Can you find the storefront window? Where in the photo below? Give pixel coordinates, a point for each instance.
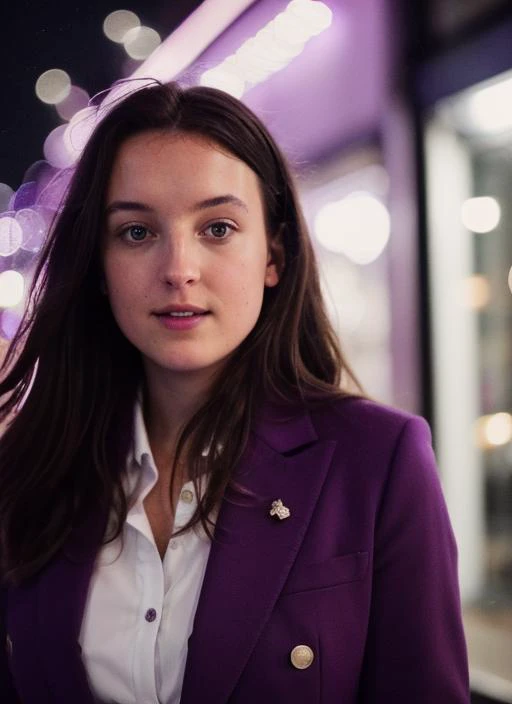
(345, 205)
(469, 182)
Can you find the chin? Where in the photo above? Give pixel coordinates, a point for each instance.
(186, 367)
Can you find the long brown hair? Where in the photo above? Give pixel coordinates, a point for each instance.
(71, 378)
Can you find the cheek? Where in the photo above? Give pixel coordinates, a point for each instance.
(247, 286)
(123, 296)
(249, 302)
(123, 282)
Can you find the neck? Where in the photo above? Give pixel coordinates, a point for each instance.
(170, 401)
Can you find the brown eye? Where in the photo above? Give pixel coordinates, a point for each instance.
(219, 230)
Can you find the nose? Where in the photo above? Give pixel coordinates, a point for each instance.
(179, 262)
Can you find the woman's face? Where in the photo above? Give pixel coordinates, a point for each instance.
(186, 255)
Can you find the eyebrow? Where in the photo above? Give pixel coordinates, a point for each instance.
(130, 205)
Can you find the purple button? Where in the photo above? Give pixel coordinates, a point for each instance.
(150, 615)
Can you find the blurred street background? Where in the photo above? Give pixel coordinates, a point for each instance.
(397, 119)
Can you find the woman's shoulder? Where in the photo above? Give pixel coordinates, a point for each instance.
(357, 425)
(380, 444)
(369, 431)
(358, 419)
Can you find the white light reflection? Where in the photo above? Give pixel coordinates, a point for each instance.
(494, 430)
(53, 86)
(118, 23)
(489, 109)
(290, 28)
(11, 235)
(272, 48)
(228, 81)
(140, 42)
(357, 226)
(12, 288)
(316, 15)
(481, 214)
(264, 44)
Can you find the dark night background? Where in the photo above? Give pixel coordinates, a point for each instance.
(37, 36)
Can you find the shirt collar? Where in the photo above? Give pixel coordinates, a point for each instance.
(141, 444)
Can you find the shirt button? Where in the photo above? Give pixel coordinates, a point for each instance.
(187, 496)
(150, 615)
(173, 544)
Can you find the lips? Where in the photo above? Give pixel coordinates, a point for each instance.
(182, 317)
(181, 311)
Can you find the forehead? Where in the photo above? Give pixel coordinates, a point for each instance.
(157, 160)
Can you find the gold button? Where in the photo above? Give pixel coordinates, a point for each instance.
(302, 656)
(187, 496)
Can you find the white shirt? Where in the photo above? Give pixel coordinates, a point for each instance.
(140, 610)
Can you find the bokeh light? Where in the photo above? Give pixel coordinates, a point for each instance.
(50, 198)
(11, 235)
(270, 49)
(481, 214)
(494, 430)
(34, 226)
(53, 86)
(6, 194)
(140, 42)
(474, 292)
(12, 288)
(77, 99)
(56, 149)
(79, 129)
(118, 23)
(357, 226)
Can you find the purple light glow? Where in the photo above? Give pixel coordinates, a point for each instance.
(52, 194)
(56, 150)
(10, 323)
(25, 195)
(11, 235)
(78, 99)
(34, 226)
(331, 94)
(80, 128)
(41, 172)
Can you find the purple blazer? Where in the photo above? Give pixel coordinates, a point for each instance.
(363, 572)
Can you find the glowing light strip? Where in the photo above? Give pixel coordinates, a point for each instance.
(270, 49)
(191, 38)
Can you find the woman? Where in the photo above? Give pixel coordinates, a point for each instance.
(192, 508)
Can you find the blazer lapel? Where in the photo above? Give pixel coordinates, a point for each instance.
(253, 552)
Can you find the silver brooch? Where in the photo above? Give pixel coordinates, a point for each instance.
(279, 510)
